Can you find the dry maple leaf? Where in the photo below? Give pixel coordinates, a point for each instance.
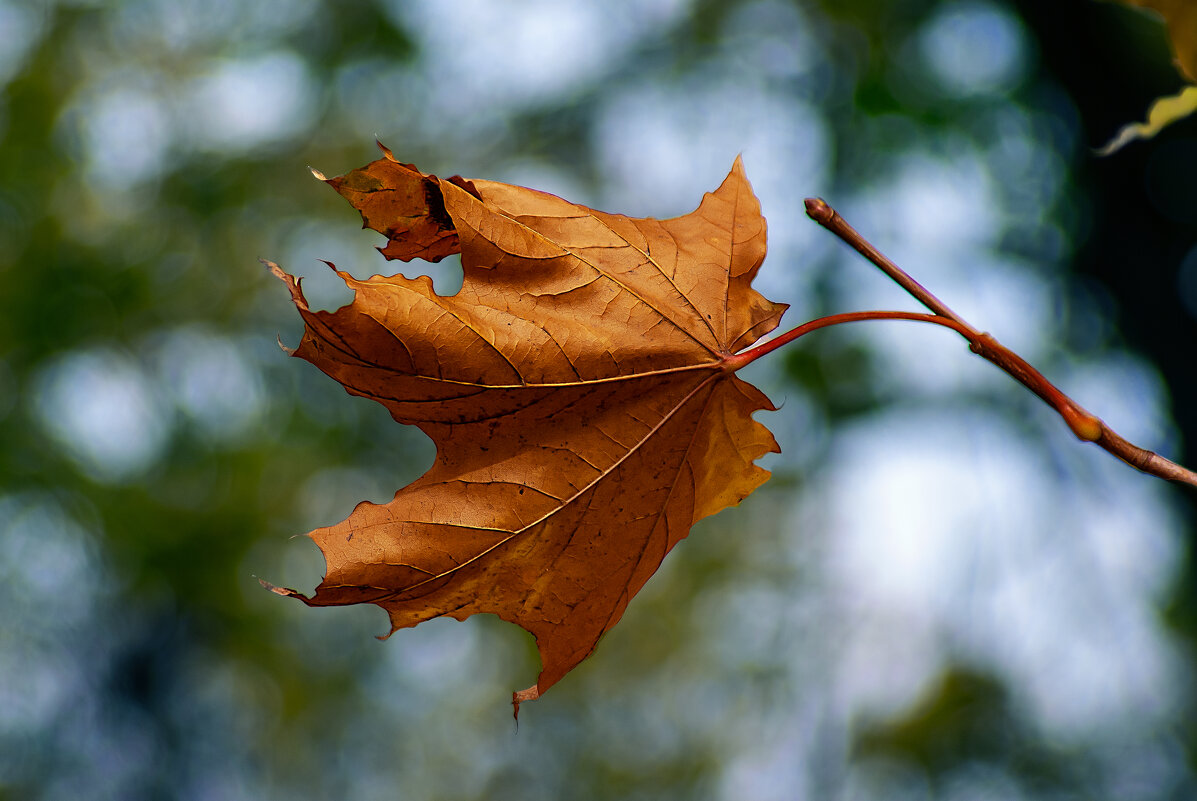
(580, 389)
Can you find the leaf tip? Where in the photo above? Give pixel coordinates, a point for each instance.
(319, 175)
(1162, 113)
(285, 592)
(386, 151)
(1125, 136)
(294, 285)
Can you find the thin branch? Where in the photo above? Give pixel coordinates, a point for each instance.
(1087, 427)
(818, 210)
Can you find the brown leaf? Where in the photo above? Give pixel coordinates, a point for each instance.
(576, 388)
(1181, 18)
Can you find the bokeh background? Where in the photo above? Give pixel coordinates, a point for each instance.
(940, 595)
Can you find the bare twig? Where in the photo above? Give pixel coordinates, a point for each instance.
(1084, 425)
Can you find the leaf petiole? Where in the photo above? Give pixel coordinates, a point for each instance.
(748, 356)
